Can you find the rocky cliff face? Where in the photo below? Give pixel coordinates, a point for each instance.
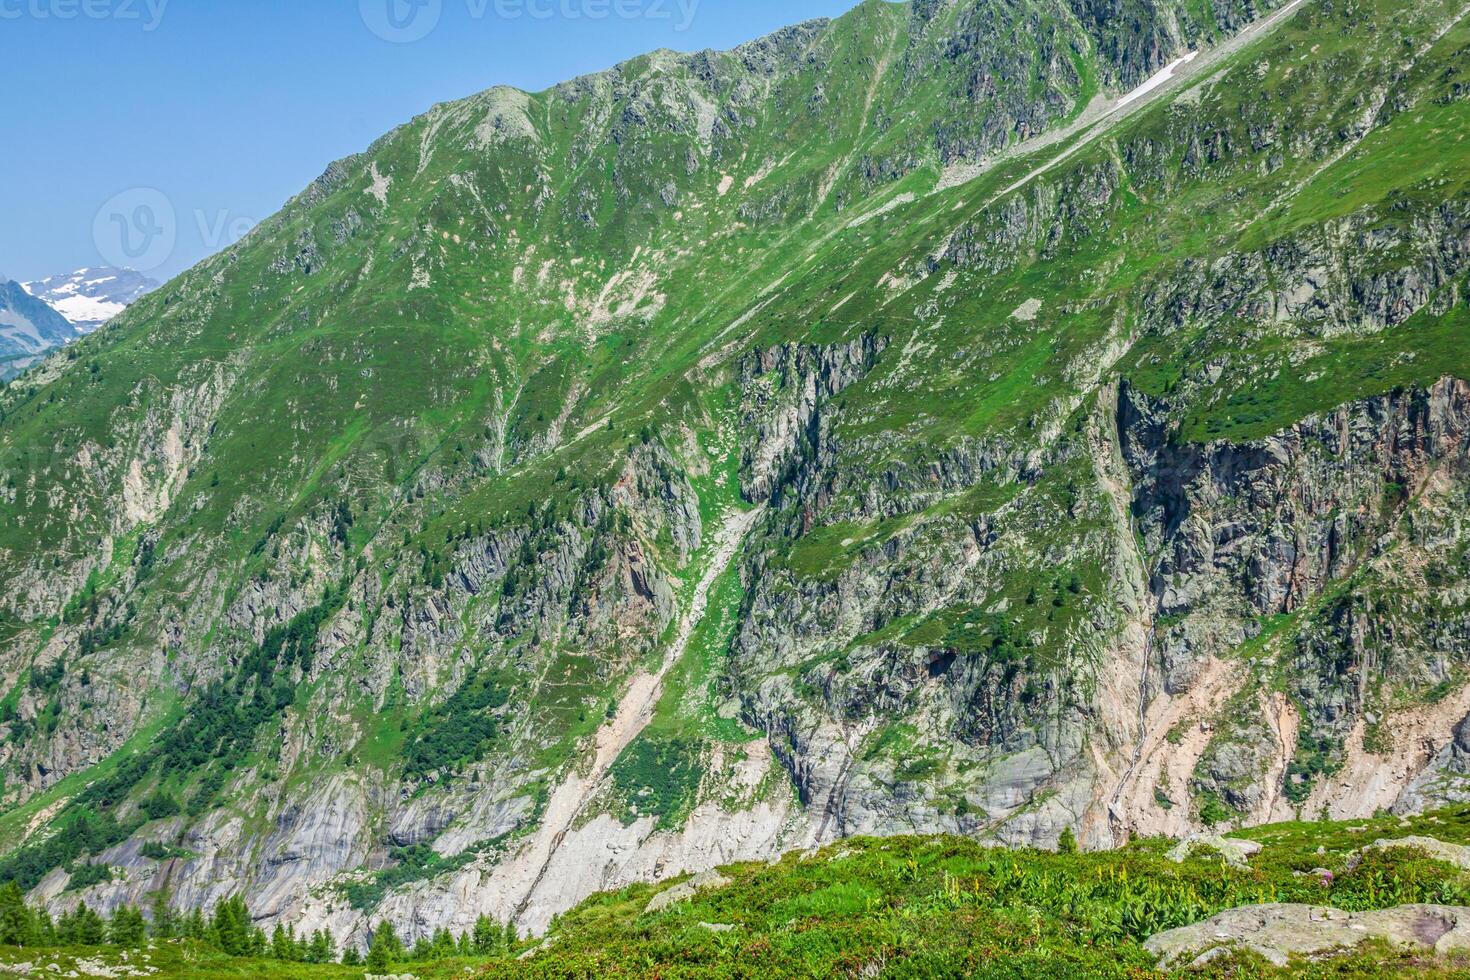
(884, 426)
(1309, 551)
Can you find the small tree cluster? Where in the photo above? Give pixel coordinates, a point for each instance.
(319, 947)
(487, 938)
(21, 925)
(231, 930)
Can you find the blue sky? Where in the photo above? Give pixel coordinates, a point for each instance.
(225, 108)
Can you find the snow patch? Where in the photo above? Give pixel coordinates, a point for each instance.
(1161, 77)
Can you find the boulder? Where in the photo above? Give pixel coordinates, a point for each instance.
(1235, 852)
(1279, 932)
(1456, 854)
(686, 890)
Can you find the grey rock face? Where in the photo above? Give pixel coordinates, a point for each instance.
(1245, 532)
(782, 391)
(1445, 780)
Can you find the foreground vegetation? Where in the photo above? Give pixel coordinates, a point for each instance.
(902, 907)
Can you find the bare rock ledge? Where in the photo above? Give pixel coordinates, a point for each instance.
(1281, 931)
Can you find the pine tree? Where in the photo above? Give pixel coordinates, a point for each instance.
(66, 929)
(230, 930)
(280, 948)
(127, 929)
(322, 949)
(351, 957)
(90, 930)
(194, 926)
(484, 935)
(17, 923)
(163, 922)
(45, 929)
(487, 936)
(385, 948)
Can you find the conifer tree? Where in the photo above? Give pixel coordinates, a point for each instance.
(231, 930)
(89, 929)
(487, 937)
(280, 945)
(322, 949)
(66, 929)
(385, 948)
(45, 928)
(163, 922)
(17, 922)
(127, 928)
(194, 926)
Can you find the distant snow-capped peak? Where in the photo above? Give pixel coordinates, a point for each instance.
(90, 297)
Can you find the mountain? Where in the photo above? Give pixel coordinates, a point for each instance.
(28, 328)
(945, 907)
(993, 417)
(91, 297)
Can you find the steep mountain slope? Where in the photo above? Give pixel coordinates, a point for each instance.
(90, 297)
(28, 327)
(886, 426)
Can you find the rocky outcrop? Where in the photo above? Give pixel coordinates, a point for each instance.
(782, 391)
(1247, 532)
(1281, 932)
(1446, 779)
(1236, 853)
(1454, 854)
